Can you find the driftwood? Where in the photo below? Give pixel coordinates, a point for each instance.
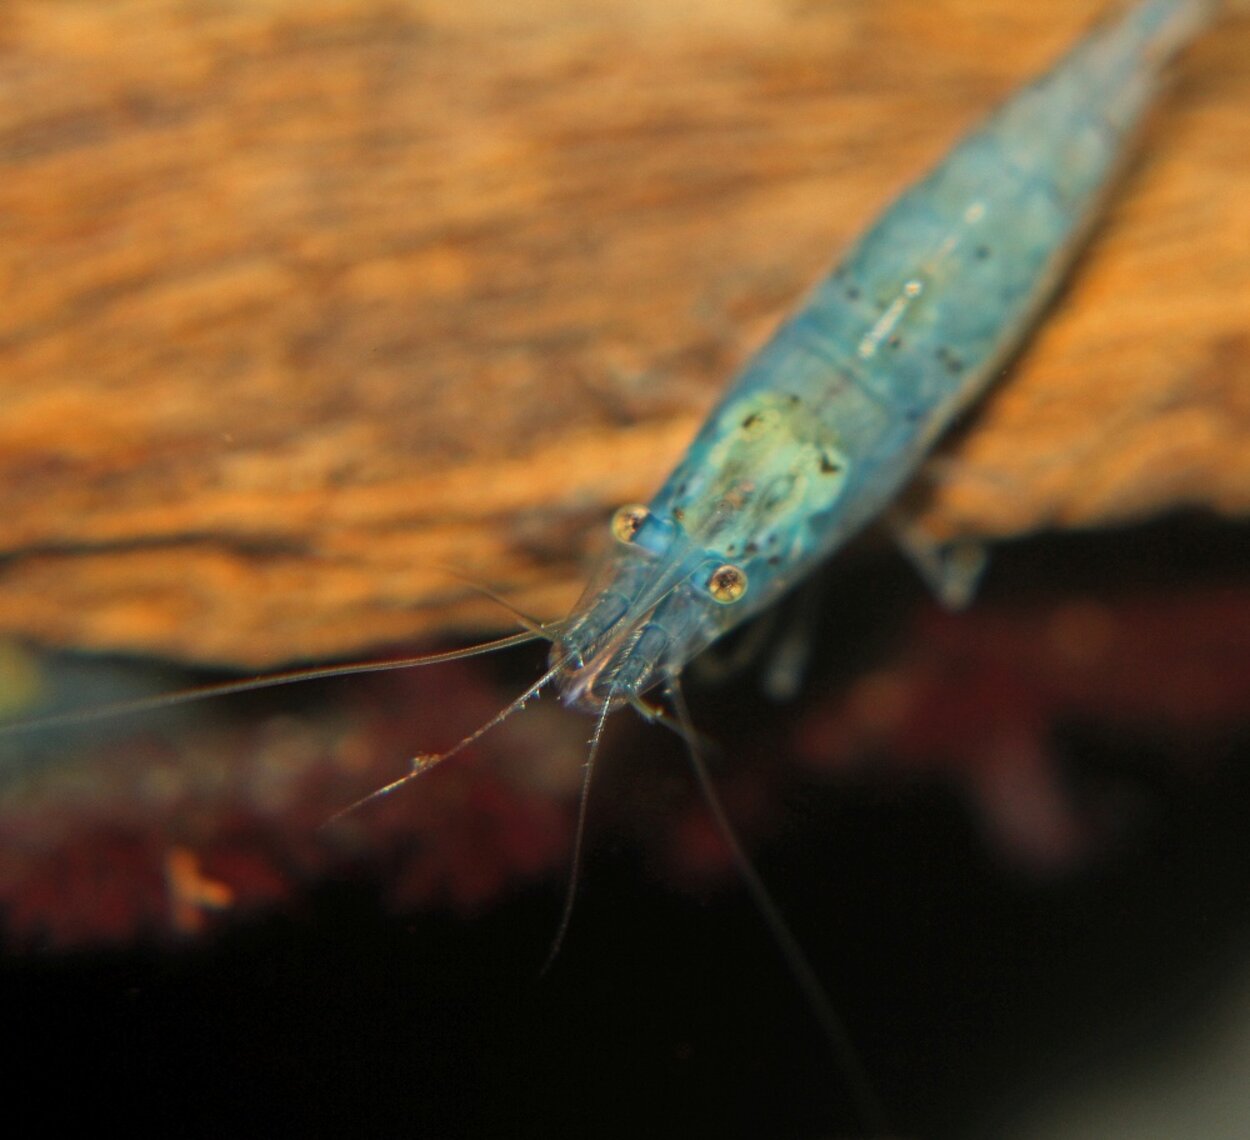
(304, 302)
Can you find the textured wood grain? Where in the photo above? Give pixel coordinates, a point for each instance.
(302, 302)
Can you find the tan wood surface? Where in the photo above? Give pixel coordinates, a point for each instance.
(302, 301)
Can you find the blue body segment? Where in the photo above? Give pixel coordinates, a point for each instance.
(822, 428)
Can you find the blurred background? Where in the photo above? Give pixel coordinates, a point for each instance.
(306, 305)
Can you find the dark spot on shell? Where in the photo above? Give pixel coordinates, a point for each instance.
(981, 252)
(751, 548)
(828, 466)
(894, 342)
(678, 514)
(852, 292)
(751, 420)
(794, 400)
(775, 560)
(954, 365)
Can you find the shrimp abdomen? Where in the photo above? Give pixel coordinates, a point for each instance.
(921, 312)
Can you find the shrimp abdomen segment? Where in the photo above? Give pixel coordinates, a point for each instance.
(920, 313)
(945, 284)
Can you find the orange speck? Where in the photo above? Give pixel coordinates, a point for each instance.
(191, 892)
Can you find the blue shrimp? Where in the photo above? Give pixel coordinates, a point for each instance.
(823, 427)
(818, 433)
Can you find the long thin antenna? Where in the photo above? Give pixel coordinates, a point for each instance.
(529, 621)
(424, 761)
(579, 842)
(252, 684)
(867, 1104)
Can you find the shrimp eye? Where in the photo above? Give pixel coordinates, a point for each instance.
(727, 584)
(627, 520)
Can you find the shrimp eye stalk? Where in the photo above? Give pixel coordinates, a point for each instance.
(727, 584)
(627, 521)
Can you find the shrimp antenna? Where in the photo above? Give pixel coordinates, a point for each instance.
(867, 1104)
(423, 762)
(536, 627)
(269, 681)
(579, 841)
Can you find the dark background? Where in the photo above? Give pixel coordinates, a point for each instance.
(972, 987)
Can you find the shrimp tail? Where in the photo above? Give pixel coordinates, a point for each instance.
(1167, 26)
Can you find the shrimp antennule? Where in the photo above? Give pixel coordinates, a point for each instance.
(424, 761)
(269, 681)
(579, 842)
(846, 1058)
